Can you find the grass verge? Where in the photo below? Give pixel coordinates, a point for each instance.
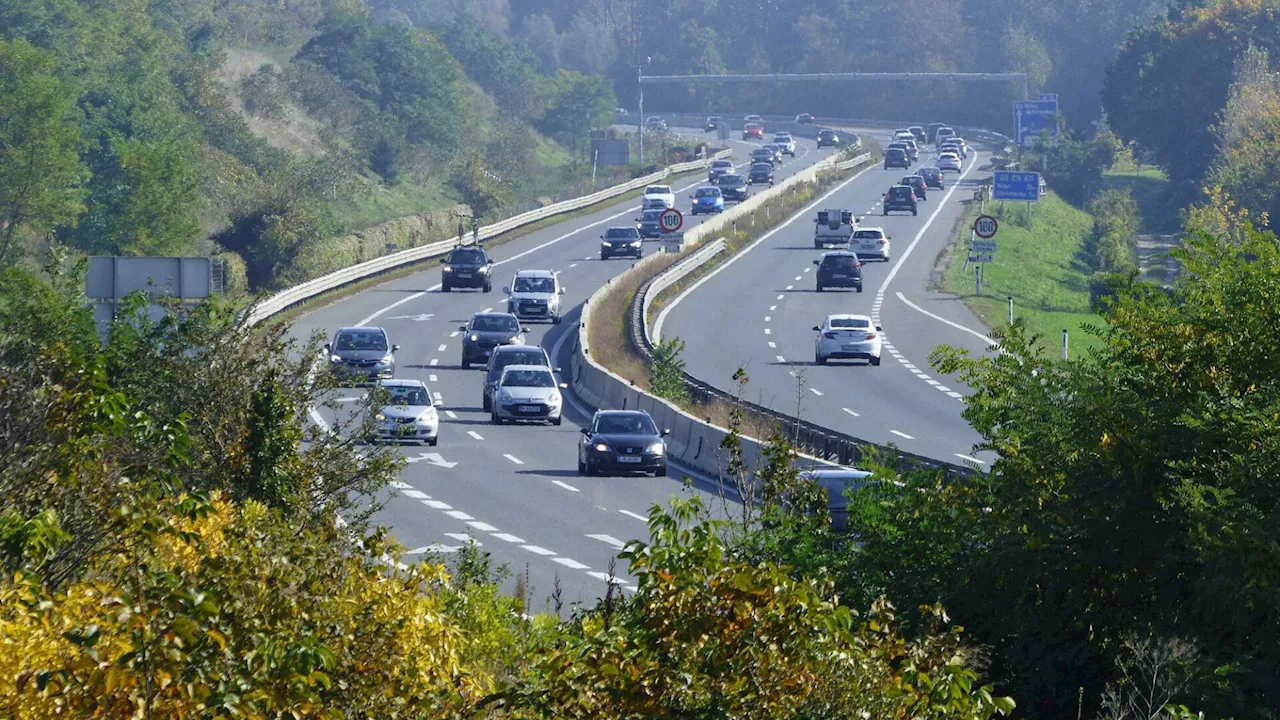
(1159, 214)
(1038, 264)
(609, 335)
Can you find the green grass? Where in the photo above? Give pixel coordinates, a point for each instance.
(1150, 189)
(1039, 266)
(381, 203)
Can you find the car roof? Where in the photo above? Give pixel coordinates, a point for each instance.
(512, 368)
(876, 228)
(945, 154)
(708, 187)
(402, 382)
(848, 316)
(658, 188)
(367, 328)
(620, 227)
(723, 161)
(494, 315)
(535, 273)
(841, 473)
(518, 348)
(622, 412)
(840, 253)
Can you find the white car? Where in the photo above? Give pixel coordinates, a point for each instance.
(405, 412)
(900, 135)
(527, 392)
(787, 141)
(659, 197)
(949, 161)
(753, 119)
(872, 242)
(535, 295)
(847, 337)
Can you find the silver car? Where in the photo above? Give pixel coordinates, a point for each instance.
(535, 295)
(403, 411)
(361, 355)
(528, 392)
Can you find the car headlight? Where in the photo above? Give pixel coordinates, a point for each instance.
(448, 269)
(657, 448)
(635, 243)
(475, 338)
(335, 358)
(484, 268)
(427, 415)
(380, 416)
(386, 359)
(554, 400)
(602, 447)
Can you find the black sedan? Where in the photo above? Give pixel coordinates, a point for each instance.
(487, 331)
(622, 441)
(467, 267)
(917, 183)
(932, 177)
(828, 138)
(761, 172)
(733, 187)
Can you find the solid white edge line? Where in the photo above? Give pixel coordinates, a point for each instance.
(945, 321)
(884, 286)
(662, 316)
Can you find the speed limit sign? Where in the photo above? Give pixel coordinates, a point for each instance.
(985, 227)
(671, 220)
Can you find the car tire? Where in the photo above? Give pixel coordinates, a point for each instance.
(433, 441)
(875, 361)
(444, 287)
(591, 469)
(660, 472)
(466, 364)
(582, 467)
(859, 287)
(493, 417)
(555, 320)
(818, 359)
(488, 288)
(914, 211)
(820, 288)
(556, 422)
(886, 212)
(486, 404)
(603, 256)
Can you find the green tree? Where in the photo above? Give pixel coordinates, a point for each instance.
(477, 187)
(579, 104)
(40, 171)
(667, 371)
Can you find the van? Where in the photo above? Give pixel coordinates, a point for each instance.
(833, 227)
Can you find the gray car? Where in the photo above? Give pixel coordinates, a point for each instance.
(527, 392)
(361, 355)
(511, 355)
(535, 295)
(487, 331)
(403, 411)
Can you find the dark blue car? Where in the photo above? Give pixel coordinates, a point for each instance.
(647, 224)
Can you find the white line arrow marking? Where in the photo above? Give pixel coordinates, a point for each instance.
(416, 318)
(431, 459)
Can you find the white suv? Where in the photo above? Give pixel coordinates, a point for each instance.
(871, 242)
(847, 337)
(786, 140)
(535, 295)
(658, 197)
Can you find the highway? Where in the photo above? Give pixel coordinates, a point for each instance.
(758, 312)
(514, 490)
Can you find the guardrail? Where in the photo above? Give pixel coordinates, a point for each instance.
(779, 123)
(293, 296)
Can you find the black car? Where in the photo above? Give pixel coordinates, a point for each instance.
(622, 441)
(713, 122)
(763, 154)
(361, 354)
(733, 187)
(932, 177)
(932, 130)
(467, 267)
(804, 119)
(505, 355)
(839, 269)
(917, 185)
(487, 331)
(917, 132)
(621, 241)
(896, 158)
(900, 198)
(761, 172)
(828, 138)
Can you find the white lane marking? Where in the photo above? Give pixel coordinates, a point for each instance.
(902, 434)
(507, 537)
(816, 391)
(884, 286)
(637, 516)
(608, 540)
(772, 308)
(513, 459)
(442, 348)
(566, 486)
(573, 265)
(433, 378)
(768, 318)
(781, 359)
(851, 412)
(454, 334)
(804, 212)
(807, 270)
(437, 505)
(571, 564)
(451, 414)
(798, 278)
(538, 550)
(909, 366)
(462, 537)
(605, 577)
(434, 362)
(971, 459)
(458, 515)
(416, 494)
(924, 377)
(779, 297)
(955, 395)
(931, 381)
(392, 306)
(957, 326)
(773, 344)
(475, 435)
(482, 526)
(789, 287)
(437, 396)
(767, 331)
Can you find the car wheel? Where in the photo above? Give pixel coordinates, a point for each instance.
(859, 287)
(820, 288)
(433, 441)
(487, 404)
(444, 287)
(875, 361)
(582, 467)
(603, 256)
(915, 211)
(488, 288)
(886, 212)
(818, 359)
(660, 472)
(556, 422)
(591, 469)
(466, 364)
(555, 320)
(639, 254)
(493, 417)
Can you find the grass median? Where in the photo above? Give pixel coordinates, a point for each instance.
(609, 335)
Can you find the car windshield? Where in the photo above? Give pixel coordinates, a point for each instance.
(867, 234)
(707, 192)
(528, 378)
(362, 340)
(651, 215)
(657, 190)
(467, 257)
(732, 181)
(722, 164)
(400, 395)
(535, 285)
(761, 167)
(839, 262)
(622, 233)
(629, 424)
(900, 193)
(849, 323)
(523, 357)
(753, 126)
(494, 323)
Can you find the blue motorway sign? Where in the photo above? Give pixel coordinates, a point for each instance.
(1011, 185)
(1032, 117)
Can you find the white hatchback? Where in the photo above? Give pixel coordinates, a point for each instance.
(847, 337)
(658, 197)
(871, 242)
(949, 161)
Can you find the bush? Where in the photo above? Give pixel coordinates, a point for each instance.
(1112, 241)
(264, 92)
(667, 379)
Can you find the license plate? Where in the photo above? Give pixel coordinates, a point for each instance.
(850, 348)
(528, 408)
(628, 459)
(464, 275)
(840, 277)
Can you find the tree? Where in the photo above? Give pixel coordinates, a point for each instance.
(1244, 169)
(477, 187)
(40, 171)
(667, 379)
(579, 103)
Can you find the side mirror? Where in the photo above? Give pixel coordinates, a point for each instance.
(816, 328)
(444, 260)
(524, 330)
(491, 262)
(462, 328)
(564, 386)
(666, 432)
(639, 220)
(506, 290)
(561, 291)
(815, 262)
(690, 197)
(395, 348)
(879, 329)
(328, 348)
(586, 431)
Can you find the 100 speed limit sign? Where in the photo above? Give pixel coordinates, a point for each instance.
(985, 227)
(670, 220)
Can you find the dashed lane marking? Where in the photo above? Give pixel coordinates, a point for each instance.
(565, 485)
(434, 362)
(768, 318)
(475, 435)
(791, 287)
(570, 563)
(851, 412)
(459, 515)
(433, 378)
(513, 459)
(772, 308)
(637, 516)
(573, 265)
(971, 459)
(508, 537)
(538, 550)
(438, 397)
(767, 331)
(608, 540)
(816, 391)
(463, 537)
(454, 334)
(415, 494)
(482, 526)
(437, 505)
(781, 359)
(605, 577)
(452, 415)
(781, 296)
(902, 434)
(773, 344)
(442, 348)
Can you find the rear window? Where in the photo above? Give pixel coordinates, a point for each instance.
(761, 167)
(657, 190)
(867, 235)
(849, 323)
(901, 193)
(839, 262)
(898, 152)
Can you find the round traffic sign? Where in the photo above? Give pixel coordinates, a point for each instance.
(671, 220)
(985, 227)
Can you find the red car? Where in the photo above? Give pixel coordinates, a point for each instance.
(752, 130)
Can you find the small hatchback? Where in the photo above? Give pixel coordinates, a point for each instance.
(361, 355)
(871, 243)
(932, 177)
(918, 185)
(896, 157)
(527, 392)
(707, 200)
(900, 198)
(622, 441)
(851, 337)
(487, 331)
(621, 241)
(403, 411)
(505, 355)
(839, 269)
